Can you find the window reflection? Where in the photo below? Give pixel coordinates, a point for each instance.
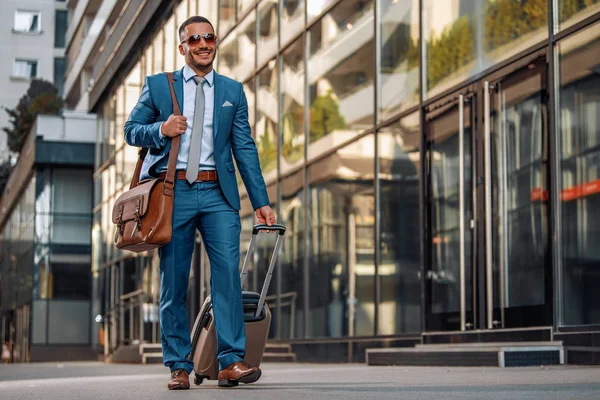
(266, 124)
(226, 16)
(580, 169)
(292, 98)
(465, 37)
(316, 7)
(399, 161)
(573, 11)
(340, 75)
(342, 222)
(292, 19)
(237, 52)
(399, 75)
(292, 211)
(268, 28)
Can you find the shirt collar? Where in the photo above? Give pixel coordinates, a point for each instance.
(188, 73)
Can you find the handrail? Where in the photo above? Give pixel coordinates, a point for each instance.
(131, 294)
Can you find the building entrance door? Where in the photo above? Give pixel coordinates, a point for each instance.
(487, 255)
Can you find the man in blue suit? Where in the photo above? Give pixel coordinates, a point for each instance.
(214, 125)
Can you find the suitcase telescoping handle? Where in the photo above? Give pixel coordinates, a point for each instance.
(257, 228)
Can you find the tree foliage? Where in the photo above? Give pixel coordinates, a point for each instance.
(325, 116)
(41, 98)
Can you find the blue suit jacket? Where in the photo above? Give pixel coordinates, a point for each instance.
(231, 132)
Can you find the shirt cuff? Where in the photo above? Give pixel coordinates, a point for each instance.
(162, 138)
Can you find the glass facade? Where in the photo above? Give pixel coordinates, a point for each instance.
(579, 98)
(398, 139)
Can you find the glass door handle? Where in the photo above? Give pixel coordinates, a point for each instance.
(487, 115)
(461, 200)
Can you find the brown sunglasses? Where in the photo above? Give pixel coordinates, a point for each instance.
(195, 39)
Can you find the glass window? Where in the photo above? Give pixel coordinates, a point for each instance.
(266, 124)
(206, 8)
(400, 248)
(27, 21)
(467, 37)
(316, 7)
(579, 97)
(341, 232)
(292, 256)
(268, 28)
(60, 67)
(60, 28)
(26, 69)
(237, 58)
(159, 58)
(573, 11)
(292, 107)
(340, 75)
(399, 74)
(71, 206)
(243, 6)
(292, 19)
(172, 56)
(70, 281)
(226, 16)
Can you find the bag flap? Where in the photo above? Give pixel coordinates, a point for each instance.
(129, 201)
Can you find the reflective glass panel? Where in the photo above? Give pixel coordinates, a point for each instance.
(268, 30)
(292, 211)
(342, 223)
(292, 19)
(266, 123)
(400, 248)
(579, 98)
(237, 56)
(340, 75)
(399, 74)
(463, 38)
(292, 97)
(573, 11)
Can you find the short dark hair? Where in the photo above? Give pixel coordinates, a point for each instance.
(197, 19)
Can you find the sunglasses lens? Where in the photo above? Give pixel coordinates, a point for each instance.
(195, 39)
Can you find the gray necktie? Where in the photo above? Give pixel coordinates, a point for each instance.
(191, 173)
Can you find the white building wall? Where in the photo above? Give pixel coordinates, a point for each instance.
(29, 46)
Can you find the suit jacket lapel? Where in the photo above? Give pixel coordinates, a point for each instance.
(178, 77)
(219, 94)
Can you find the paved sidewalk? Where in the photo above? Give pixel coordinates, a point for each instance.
(91, 381)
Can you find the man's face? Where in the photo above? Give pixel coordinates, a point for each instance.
(201, 54)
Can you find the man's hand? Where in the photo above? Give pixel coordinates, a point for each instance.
(265, 215)
(174, 126)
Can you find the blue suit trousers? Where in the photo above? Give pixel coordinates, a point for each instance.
(202, 206)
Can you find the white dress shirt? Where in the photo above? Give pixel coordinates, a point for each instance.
(207, 160)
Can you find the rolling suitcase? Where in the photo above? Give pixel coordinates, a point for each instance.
(257, 319)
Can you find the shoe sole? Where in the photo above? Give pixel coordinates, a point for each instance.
(179, 388)
(250, 378)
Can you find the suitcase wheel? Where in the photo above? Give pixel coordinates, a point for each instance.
(199, 378)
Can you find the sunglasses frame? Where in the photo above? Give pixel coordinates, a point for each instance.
(201, 36)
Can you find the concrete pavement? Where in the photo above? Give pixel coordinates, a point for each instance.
(91, 381)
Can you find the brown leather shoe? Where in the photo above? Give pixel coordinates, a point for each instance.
(238, 372)
(180, 379)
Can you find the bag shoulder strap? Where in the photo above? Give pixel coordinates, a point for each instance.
(173, 153)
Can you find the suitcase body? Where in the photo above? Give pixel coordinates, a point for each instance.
(257, 320)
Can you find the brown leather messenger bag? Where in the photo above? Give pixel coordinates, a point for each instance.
(143, 214)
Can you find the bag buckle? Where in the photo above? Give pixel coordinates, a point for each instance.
(119, 223)
(138, 220)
